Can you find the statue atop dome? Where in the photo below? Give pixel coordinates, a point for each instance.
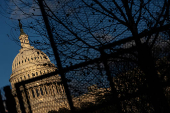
(20, 25)
(23, 37)
(21, 30)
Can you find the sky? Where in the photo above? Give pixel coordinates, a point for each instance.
(8, 50)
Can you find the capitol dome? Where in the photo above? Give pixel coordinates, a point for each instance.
(43, 94)
(27, 58)
(29, 62)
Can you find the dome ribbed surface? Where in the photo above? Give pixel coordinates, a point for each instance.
(29, 62)
(29, 57)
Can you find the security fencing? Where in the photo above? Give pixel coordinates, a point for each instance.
(104, 84)
(118, 76)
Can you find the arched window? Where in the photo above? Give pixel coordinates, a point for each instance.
(45, 90)
(45, 57)
(33, 93)
(36, 73)
(41, 91)
(25, 60)
(28, 76)
(33, 74)
(37, 93)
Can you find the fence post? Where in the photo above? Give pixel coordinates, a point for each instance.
(110, 79)
(56, 54)
(2, 108)
(19, 96)
(10, 102)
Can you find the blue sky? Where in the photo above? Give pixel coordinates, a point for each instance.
(8, 50)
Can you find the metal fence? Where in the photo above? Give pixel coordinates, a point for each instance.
(106, 83)
(7, 102)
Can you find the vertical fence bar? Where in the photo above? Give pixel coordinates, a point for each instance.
(2, 109)
(56, 54)
(110, 79)
(19, 95)
(10, 102)
(27, 99)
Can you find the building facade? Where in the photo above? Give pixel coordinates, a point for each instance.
(43, 95)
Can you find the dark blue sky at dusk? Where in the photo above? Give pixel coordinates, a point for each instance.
(8, 50)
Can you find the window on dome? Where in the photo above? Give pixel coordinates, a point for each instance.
(28, 59)
(36, 73)
(38, 53)
(25, 60)
(33, 74)
(22, 61)
(31, 58)
(28, 76)
(44, 64)
(40, 57)
(45, 57)
(40, 72)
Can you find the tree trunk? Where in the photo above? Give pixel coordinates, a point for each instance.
(155, 89)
